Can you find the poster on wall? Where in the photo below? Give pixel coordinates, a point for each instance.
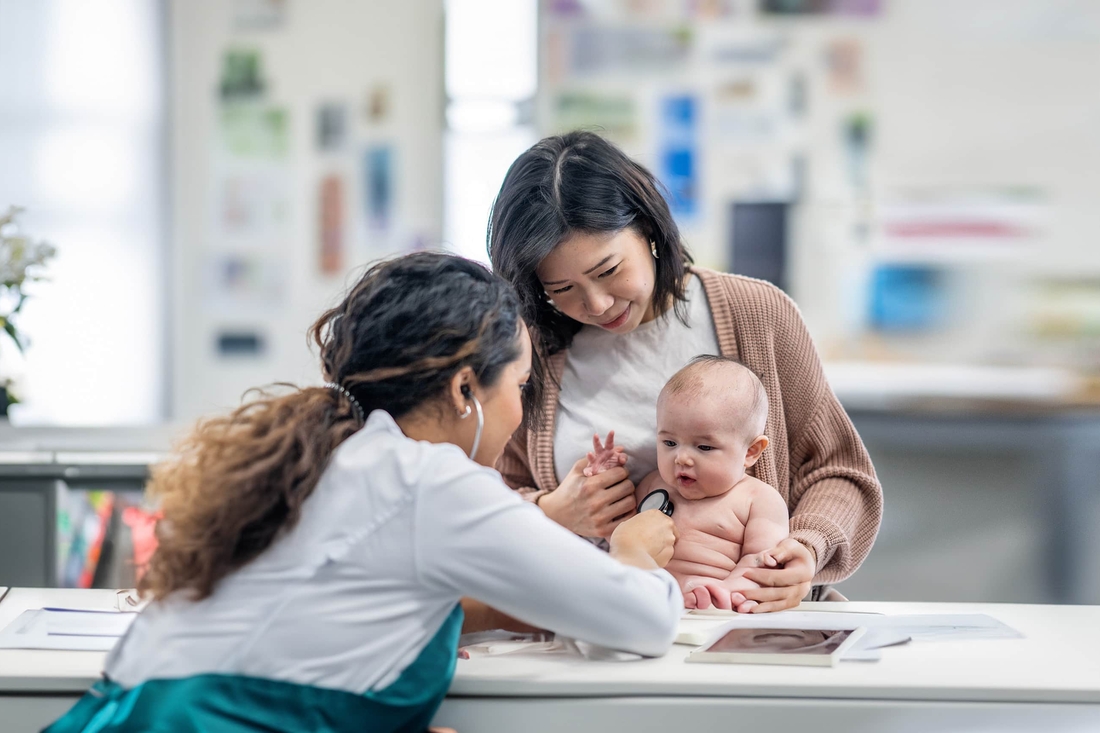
(252, 205)
(677, 154)
(377, 104)
(259, 15)
(614, 114)
(251, 192)
(331, 214)
(254, 132)
(242, 75)
(378, 186)
(244, 282)
(867, 8)
(332, 125)
(844, 64)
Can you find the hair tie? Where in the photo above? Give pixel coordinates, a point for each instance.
(351, 398)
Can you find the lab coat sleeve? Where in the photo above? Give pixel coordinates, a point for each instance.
(476, 538)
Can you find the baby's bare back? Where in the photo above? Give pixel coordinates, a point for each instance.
(711, 530)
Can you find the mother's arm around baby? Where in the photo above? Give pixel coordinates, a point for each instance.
(834, 495)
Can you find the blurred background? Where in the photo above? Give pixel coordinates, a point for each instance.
(921, 176)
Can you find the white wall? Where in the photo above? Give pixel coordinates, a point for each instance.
(997, 92)
(327, 50)
(979, 93)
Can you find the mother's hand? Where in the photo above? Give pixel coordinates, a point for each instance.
(784, 587)
(591, 506)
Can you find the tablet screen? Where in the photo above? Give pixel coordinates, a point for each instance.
(780, 641)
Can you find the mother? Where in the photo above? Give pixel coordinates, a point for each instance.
(615, 308)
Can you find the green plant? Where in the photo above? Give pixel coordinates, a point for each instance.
(21, 262)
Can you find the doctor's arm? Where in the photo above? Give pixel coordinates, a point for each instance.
(477, 539)
(635, 543)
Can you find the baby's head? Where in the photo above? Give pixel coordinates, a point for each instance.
(711, 418)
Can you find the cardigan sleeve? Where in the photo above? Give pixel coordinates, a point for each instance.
(835, 494)
(515, 467)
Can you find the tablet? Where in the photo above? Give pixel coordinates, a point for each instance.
(812, 647)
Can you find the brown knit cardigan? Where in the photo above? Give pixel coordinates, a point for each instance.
(816, 459)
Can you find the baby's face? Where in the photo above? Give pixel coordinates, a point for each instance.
(698, 451)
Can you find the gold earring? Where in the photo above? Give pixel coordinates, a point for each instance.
(653, 250)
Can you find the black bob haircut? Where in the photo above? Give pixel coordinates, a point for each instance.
(577, 182)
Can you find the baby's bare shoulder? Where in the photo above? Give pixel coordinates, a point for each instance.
(750, 485)
(754, 491)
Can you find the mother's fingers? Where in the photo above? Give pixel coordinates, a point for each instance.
(779, 578)
(756, 560)
(773, 606)
(768, 594)
(608, 479)
(785, 597)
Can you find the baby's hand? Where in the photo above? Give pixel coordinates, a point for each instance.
(604, 456)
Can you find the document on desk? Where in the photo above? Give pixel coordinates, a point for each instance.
(66, 630)
(918, 627)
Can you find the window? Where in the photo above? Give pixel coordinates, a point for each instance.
(82, 137)
(491, 75)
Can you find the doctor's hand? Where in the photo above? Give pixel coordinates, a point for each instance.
(645, 540)
(591, 506)
(783, 587)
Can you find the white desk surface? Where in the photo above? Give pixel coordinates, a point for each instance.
(40, 671)
(1057, 662)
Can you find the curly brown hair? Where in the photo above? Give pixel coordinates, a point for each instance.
(239, 480)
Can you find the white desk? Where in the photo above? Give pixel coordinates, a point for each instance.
(1049, 681)
(36, 687)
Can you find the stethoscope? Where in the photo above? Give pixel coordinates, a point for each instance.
(657, 500)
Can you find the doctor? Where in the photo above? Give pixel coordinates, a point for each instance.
(315, 546)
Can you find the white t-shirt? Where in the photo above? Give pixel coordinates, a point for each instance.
(612, 381)
(394, 534)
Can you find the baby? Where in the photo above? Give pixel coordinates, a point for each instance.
(711, 418)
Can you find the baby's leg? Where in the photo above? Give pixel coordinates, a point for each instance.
(703, 592)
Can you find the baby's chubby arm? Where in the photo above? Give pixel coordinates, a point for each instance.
(604, 456)
(768, 524)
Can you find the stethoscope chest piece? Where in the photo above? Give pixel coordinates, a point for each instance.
(657, 500)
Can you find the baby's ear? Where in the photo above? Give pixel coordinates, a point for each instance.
(756, 448)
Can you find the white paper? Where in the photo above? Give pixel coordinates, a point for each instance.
(31, 630)
(88, 623)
